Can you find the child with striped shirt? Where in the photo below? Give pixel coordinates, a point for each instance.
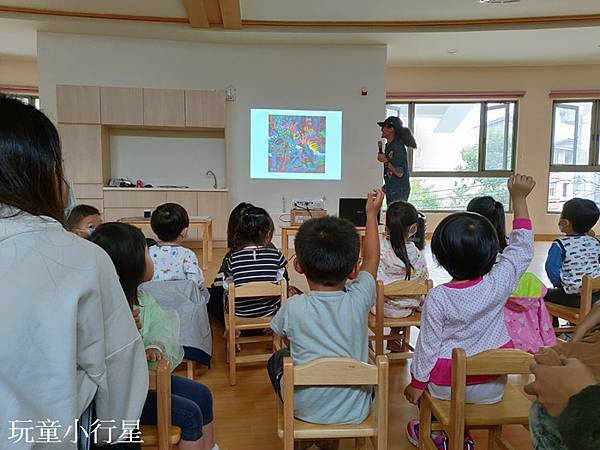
(255, 259)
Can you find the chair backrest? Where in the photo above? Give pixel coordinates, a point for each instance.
(491, 362)
(159, 380)
(336, 372)
(255, 289)
(588, 286)
(406, 288)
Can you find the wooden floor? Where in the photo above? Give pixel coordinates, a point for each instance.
(246, 414)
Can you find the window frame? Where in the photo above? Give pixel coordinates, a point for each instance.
(593, 165)
(482, 172)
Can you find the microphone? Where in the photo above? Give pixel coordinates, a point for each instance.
(381, 143)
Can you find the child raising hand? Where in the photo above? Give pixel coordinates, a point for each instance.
(468, 312)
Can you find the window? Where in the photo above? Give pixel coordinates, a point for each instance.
(574, 161)
(26, 98)
(465, 149)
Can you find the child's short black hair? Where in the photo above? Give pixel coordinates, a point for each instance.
(168, 221)
(327, 249)
(255, 226)
(582, 213)
(79, 213)
(466, 245)
(126, 246)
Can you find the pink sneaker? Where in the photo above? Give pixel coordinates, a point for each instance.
(412, 434)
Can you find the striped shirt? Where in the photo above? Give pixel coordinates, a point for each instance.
(255, 264)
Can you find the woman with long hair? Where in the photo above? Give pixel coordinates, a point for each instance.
(394, 157)
(68, 335)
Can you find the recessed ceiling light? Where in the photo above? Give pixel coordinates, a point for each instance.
(452, 51)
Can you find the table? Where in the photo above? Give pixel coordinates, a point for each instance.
(199, 222)
(292, 230)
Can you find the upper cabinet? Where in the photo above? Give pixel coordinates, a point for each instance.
(139, 107)
(205, 109)
(122, 106)
(85, 153)
(164, 108)
(78, 104)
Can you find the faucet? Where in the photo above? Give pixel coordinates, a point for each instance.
(211, 173)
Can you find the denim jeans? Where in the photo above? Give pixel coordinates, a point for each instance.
(191, 407)
(396, 193)
(544, 429)
(275, 369)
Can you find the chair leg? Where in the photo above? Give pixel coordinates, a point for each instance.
(494, 436)
(406, 339)
(424, 423)
(379, 342)
(232, 356)
(361, 444)
(190, 369)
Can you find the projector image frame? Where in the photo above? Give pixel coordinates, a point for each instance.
(295, 144)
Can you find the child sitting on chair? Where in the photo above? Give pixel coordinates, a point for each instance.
(191, 402)
(170, 223)
(468, 312)
(400, 259)
(83, 220)
(331, 318)
(254, 258)
(574, 255)
(525, 314)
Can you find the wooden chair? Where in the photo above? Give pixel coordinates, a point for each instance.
(163, 436)
(234, 324)
(190, 368)
(576, 315)
(335, 372)
(454, 415)
(377, 321)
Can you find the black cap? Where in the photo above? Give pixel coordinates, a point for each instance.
(391, 121)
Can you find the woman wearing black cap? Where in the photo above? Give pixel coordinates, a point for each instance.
(396, 175)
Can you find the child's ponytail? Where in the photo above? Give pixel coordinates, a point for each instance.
(255, 227)
(399, 218)
(494, 212)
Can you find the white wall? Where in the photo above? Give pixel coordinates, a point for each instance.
(152, 156)
(290, 76)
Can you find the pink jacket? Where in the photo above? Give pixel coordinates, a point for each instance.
(526, 317)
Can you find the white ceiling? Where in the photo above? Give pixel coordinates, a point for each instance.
(332, 10)
(560, 44)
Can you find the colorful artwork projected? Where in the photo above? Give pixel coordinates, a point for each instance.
(297, 144)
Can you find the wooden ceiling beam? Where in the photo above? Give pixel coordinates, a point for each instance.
(231, 14)
(196, 11)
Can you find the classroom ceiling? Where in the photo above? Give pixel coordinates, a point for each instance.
(417, 32)
(332, 10)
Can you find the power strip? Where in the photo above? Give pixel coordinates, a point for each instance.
(308, 204)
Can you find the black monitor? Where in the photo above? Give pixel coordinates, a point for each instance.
(353, 209)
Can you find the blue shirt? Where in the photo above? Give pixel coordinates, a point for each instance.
(329, 323)
(395, 152)
(554, 263)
